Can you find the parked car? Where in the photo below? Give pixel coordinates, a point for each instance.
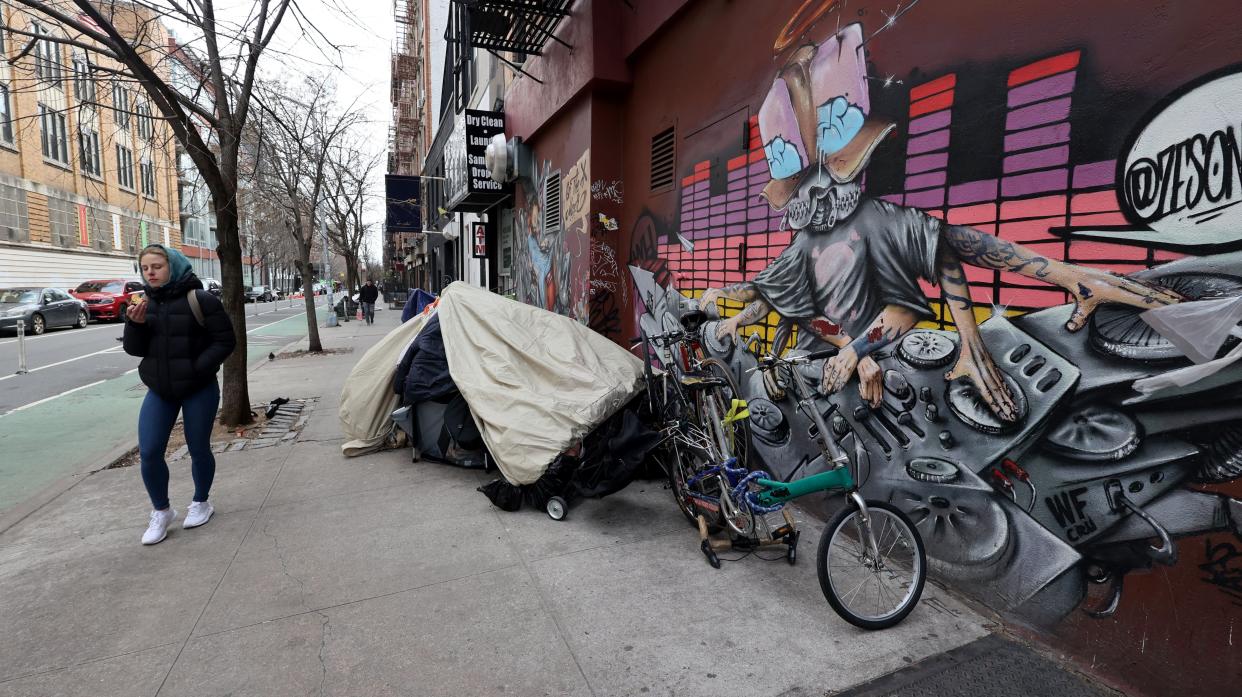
(106, 298)
(262, 294)
(41, 309)
(212, 286)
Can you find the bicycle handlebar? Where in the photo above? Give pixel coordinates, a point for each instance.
(769, 362)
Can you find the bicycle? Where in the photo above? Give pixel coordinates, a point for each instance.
(696, 405)
(870, 561)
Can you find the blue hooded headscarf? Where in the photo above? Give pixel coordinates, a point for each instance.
(179, 270)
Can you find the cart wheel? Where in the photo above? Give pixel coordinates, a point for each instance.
(711, 554)
(557, 508)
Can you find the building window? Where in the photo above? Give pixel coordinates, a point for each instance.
(145, 126)
(6, 114)
(124, 167)
(120, 105)
(47, 58)
(14, 220)
(88, 146)
(62, 217)
(148, 178)
(55, 136)
(83, 83)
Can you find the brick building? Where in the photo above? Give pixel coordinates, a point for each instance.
(87, 172)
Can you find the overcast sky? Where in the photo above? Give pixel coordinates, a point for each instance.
(363, 31)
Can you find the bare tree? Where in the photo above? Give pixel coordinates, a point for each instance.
(297, 129)
(349, 172)
(127, 33)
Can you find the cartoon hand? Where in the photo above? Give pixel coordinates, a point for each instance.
(709, 298)
(974, 362)
(838, 370)
(869, 385)
(1098, 287)
(728, 327)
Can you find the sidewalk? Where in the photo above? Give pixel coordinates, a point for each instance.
(378, 576)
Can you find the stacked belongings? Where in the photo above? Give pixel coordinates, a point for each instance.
(535, 385)
(609, 458)
(434, 414)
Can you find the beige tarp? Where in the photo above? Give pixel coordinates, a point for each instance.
(536, 382)
(368, 400)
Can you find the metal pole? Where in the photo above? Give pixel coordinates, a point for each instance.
(21, 347)
(327, 268)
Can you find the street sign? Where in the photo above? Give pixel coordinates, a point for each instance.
(480, 240)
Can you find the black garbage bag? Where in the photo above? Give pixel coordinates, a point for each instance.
(614, 455)
(503, 495)
(557, 480)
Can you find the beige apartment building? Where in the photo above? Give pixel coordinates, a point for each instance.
(88, 171)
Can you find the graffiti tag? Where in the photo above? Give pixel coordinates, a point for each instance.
(1183, 173)
(1223, 569)
(608, 191)
(1070, 511)
(576, 190)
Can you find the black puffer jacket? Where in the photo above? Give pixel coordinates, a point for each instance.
(368, 294)
(179, 357)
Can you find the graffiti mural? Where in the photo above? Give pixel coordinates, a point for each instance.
(1037, 373)
(608, 191)
(552, 256)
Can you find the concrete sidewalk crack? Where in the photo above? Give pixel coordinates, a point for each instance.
(284, 564)
(324, 628)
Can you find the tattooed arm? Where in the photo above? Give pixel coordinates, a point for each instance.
(751, 314)
(1090, 287)
(892, 322)
(974, 361)
(741, 292)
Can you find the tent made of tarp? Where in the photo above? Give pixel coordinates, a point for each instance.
(536, 382)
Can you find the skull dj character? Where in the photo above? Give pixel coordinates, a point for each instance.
(850, 278)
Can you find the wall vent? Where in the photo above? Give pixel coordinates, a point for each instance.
(663, 160)
(552, 203)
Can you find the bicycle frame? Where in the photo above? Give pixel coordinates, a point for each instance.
(838, 479)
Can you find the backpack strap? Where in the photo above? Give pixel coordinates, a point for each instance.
(196, 308)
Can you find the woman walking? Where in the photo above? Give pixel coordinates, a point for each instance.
(183, 336)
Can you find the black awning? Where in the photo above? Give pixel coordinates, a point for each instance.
(517, 26)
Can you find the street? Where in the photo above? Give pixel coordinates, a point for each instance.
(78, 404)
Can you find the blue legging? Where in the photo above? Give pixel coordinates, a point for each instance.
(155, 422)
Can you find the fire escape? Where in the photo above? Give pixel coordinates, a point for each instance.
(409, 100)
(408, 132)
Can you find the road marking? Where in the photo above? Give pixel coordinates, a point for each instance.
(31, 337)
(48, 399)
(114, 349)
(67, 360)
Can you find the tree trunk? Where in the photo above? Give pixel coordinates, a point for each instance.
(234, 392)
(308, 286)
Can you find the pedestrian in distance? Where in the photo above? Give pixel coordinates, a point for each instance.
(183, 335)
(367, 297)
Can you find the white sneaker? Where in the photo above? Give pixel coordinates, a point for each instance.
(198, 513)
(157, 529)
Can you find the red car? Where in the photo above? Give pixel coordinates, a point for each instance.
(106, 299)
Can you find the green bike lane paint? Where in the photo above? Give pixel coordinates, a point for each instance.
(78, 431)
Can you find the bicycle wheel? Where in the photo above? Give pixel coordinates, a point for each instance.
(872, 593)
(736, 434)
(683, 464)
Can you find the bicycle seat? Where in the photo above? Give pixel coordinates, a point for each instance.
(693, 320)
(694, 382)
